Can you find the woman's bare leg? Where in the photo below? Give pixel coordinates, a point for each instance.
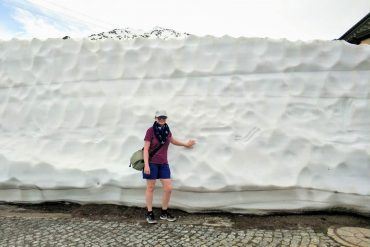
(167, 189)
(150, 184)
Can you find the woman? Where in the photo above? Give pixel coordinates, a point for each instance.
(157, 139)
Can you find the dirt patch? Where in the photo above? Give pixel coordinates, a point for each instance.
(45, 207)
(319, 221)
(116, 213)
(108, 212)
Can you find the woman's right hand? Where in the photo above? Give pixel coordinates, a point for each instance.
(146, 169)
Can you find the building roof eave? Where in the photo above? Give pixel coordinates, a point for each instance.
(360, 31)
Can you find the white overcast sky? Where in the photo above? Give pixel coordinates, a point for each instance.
(291, 19)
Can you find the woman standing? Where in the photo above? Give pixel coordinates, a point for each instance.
(157, 139)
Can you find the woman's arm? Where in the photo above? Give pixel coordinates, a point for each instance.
(187, 144)
(146, 156)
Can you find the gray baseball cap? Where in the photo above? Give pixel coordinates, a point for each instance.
(160, 113)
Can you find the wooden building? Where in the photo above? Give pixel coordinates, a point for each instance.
(359, 33)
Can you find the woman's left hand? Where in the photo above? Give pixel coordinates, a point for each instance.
(190, 143)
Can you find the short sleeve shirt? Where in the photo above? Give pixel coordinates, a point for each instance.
(160, 157)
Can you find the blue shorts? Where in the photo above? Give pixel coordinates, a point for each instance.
(158, 171)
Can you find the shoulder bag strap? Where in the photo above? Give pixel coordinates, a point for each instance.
(152, 153)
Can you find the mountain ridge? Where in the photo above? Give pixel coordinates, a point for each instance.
(128, 33)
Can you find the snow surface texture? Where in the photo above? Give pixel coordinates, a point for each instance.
(280, 125)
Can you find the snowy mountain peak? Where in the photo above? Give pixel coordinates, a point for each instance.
(128, 33)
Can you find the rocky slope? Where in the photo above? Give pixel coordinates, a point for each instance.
(128, 33)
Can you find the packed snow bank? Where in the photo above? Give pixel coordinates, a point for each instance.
(279, 125)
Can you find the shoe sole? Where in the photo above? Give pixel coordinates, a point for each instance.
(153, 222)
(167, 219)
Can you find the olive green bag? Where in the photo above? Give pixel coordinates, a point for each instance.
(137, 158)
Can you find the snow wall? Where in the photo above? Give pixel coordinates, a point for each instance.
(280, 126)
